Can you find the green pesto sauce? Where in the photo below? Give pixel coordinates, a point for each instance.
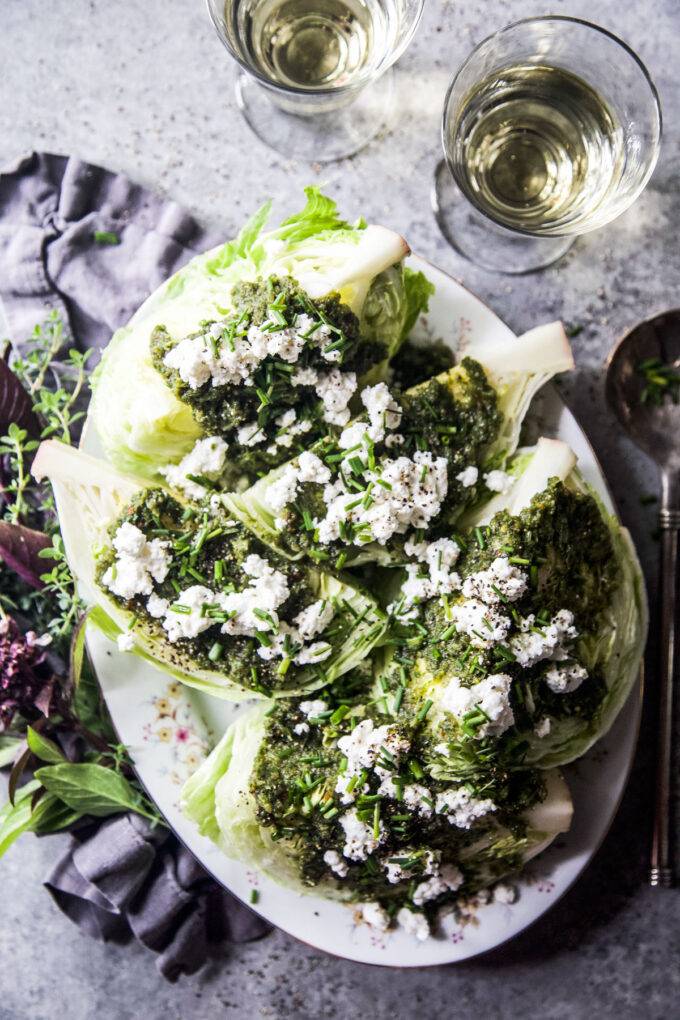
(414, 364)
(571, 565)
(158, 515)
(293, 781)
(457, 426)
(221, 410)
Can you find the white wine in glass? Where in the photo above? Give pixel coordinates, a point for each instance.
(550, 129)
(308, 67)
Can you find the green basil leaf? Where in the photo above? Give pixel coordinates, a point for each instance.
(54, 817)
(43, 748)
(89, 788)
(16, 818)
(9, 745)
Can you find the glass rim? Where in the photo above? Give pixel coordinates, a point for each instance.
(325, 92)
(574, 21)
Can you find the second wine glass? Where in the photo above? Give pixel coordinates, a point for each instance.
(551, 128)
(316, 82)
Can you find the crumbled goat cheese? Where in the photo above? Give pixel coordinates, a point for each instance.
(304, 377)
(485, 625)
(306, 625)
(283, 490)
(362, 747)
(307, 468)
(468, 476)
(405, 494)
(413, 924)
(504, 894)
(251, 434)
(137, 563)
(544, 641)
(189, 624)
(395, 439)
(266, 591)
(498, 481)
(301, 728)
(565, 679)
(374, 915)
(125, 642)
(493, 697)
(156, 606)
(443, 749)
(439, 556)
(312, 708)
(335, 862)
(314, 619)
(360, 839)
(206, 458)
(426, 864)
(383, 413)
(450, 878)
(414, 796)
(335, 391)
(289, 427)
(542, 728)
(312, 469)
(503, 581)
(317, 652)
(461, 808)
(199, 359)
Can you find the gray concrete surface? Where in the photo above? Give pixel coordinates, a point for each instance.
(145, 88)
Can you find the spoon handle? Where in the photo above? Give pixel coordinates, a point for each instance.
(661, 869)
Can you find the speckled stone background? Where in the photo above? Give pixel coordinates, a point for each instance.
(145, 88)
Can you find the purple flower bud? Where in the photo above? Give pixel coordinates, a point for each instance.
(26, 679)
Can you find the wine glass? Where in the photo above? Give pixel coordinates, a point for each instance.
(551, 128)
(316, 82)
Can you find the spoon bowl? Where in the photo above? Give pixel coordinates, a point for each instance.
(654, 428)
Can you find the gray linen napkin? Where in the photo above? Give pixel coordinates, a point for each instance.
(119, 876)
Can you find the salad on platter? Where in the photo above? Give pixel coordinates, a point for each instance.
(303, 508)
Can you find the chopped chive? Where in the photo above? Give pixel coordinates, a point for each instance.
(106, 237)
(254, 896)
(424, 710)
(215, 652)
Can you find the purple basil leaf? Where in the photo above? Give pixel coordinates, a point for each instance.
(15, 404)
(19, 548)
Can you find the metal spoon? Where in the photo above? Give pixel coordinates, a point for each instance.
(656, 430)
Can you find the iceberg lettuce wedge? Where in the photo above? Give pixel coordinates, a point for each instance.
(190, 590)
(309, 838)
(427, 447)
(141, 422)
(535, 642)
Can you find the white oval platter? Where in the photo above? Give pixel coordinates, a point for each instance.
(169, 729)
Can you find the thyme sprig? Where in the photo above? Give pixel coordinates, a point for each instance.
(47, 686)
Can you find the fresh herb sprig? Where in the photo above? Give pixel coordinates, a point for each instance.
(660, 381)
(47, 687)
